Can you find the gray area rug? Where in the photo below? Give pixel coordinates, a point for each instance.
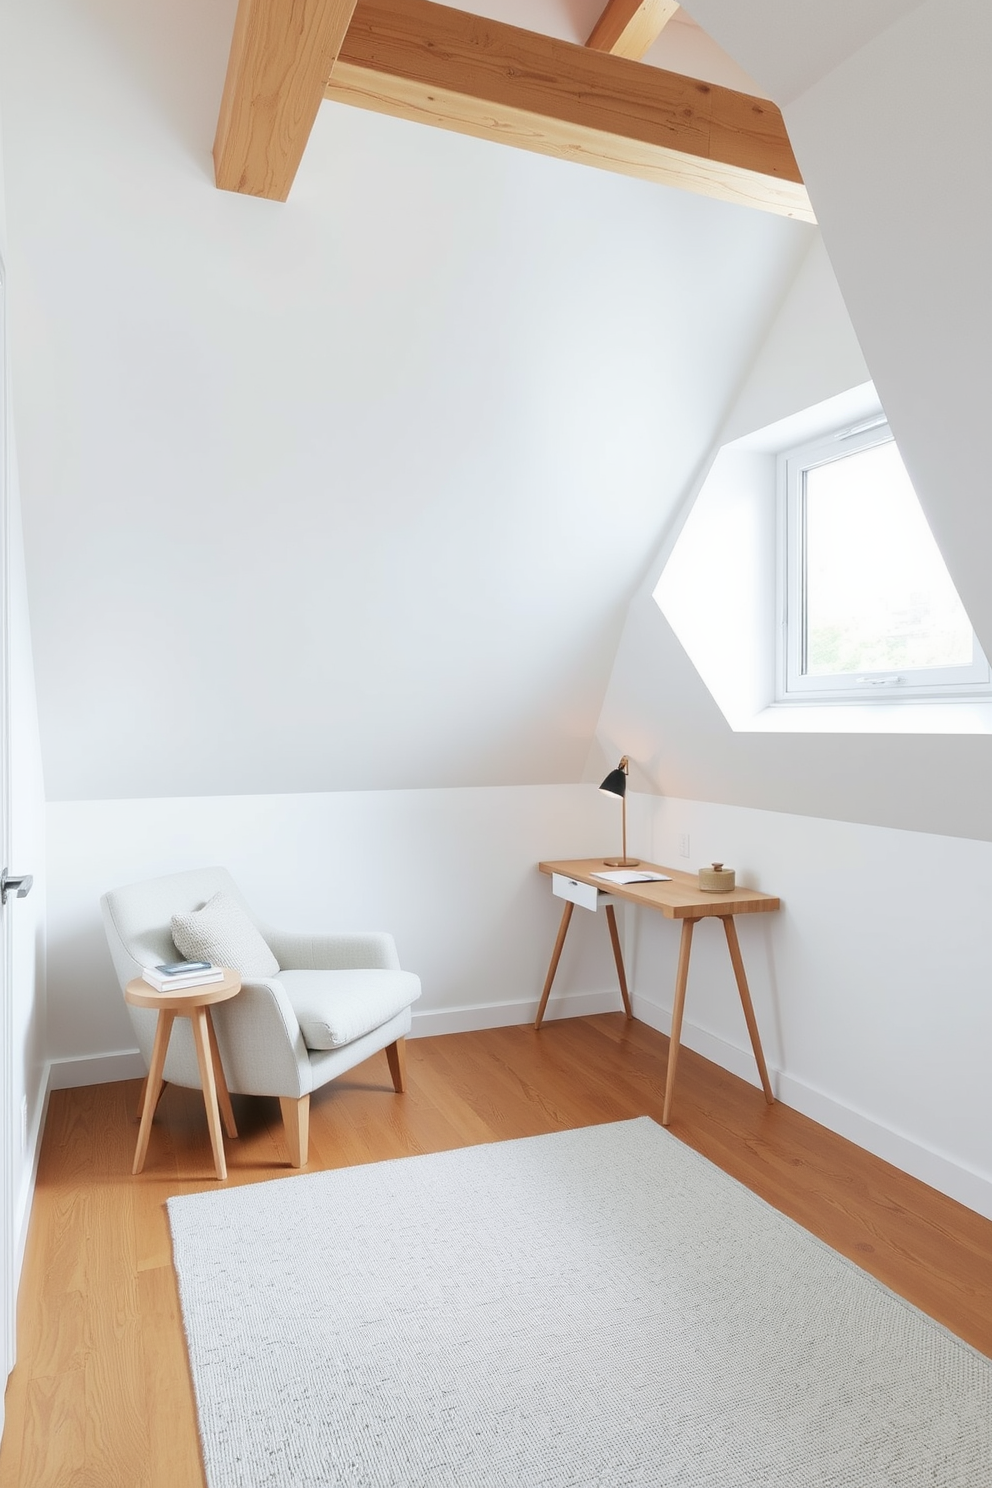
(599, 1308)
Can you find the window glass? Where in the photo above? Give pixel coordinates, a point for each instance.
(878, 594)
(868, 604)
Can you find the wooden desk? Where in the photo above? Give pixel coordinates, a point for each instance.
(679, 899)
(193, 1003)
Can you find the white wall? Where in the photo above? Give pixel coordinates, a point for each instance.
(452, 873)
(902, 189)
(871, 985)
(890, 114)
(658, 709)
(365, 480)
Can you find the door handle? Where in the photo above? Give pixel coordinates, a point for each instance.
(21, 886)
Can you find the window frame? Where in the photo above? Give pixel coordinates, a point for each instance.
(793, 684)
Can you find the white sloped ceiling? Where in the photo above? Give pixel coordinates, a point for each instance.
(351, 492)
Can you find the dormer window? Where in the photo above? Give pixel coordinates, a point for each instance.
(868, 609)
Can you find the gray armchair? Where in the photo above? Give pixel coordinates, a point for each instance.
(336, 999)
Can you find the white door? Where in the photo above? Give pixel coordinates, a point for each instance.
(9, 1086)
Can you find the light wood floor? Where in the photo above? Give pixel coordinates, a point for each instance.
(101, 1394)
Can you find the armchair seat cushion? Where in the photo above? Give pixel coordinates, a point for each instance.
(336, 1007)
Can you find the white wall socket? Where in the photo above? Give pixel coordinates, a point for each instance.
(684, 845)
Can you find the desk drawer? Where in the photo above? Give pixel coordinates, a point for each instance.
(569, 888)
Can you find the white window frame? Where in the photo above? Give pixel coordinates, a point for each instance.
(794, 684)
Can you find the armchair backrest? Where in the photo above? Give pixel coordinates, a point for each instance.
(138, 917)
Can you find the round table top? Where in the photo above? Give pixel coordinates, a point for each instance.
(140, 993)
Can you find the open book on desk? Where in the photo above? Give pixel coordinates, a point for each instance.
(633, 875)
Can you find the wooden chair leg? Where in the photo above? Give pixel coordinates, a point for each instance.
(296, 1122)
(396, 1054)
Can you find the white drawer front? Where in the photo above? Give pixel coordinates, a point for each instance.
(569, 888)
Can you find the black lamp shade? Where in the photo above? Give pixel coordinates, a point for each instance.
(615, 783)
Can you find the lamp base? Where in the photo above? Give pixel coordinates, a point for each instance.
(622, 862)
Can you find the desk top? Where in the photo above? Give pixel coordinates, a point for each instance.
(681, 899)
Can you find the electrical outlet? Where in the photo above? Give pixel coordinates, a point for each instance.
(24, 1123)
(684, 845)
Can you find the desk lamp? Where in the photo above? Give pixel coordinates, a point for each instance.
(615, 784)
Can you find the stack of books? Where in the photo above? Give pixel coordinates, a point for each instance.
(174, 975)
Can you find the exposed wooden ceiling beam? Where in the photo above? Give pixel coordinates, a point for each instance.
(281, 58)
(440, 66)
(627, 28)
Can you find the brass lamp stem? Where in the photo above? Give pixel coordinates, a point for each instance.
(623, 861)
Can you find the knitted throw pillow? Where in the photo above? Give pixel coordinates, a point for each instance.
(222, 933)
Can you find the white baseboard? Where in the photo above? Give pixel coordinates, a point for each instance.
(944, 1173)
(96, 1069)
(433, 1021)
(25, 1197)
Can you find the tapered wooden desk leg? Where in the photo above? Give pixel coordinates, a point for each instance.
(611, 920)
(223, 1094)
(153, 1085)
(201, 1038)
(555, 958)
(678, 1008)
(733, 945)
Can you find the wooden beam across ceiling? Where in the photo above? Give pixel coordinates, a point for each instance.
(627, 28)
(281, 58)
(430, 63)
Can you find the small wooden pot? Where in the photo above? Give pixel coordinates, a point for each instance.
(717, 880)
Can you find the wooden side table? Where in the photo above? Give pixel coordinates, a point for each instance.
(193, 1003)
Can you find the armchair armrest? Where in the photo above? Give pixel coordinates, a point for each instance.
(358, 950)
(260, 1042)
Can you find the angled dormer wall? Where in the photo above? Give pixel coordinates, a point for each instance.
(872, 985)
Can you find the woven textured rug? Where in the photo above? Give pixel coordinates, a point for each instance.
(600, 1308)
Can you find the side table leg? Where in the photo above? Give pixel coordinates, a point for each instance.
(611, 920)
(555, 958)
(141, 1097)
(733, 945)
(153, 1085)
(223, 1094)
(678, 1007)
(201, 1038)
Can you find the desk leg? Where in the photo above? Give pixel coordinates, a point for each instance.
(611, 920)
(223, 1095)
(201, 1038)
(153, 1085)
(555, 958)
(678, 1007)
(733, 945)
